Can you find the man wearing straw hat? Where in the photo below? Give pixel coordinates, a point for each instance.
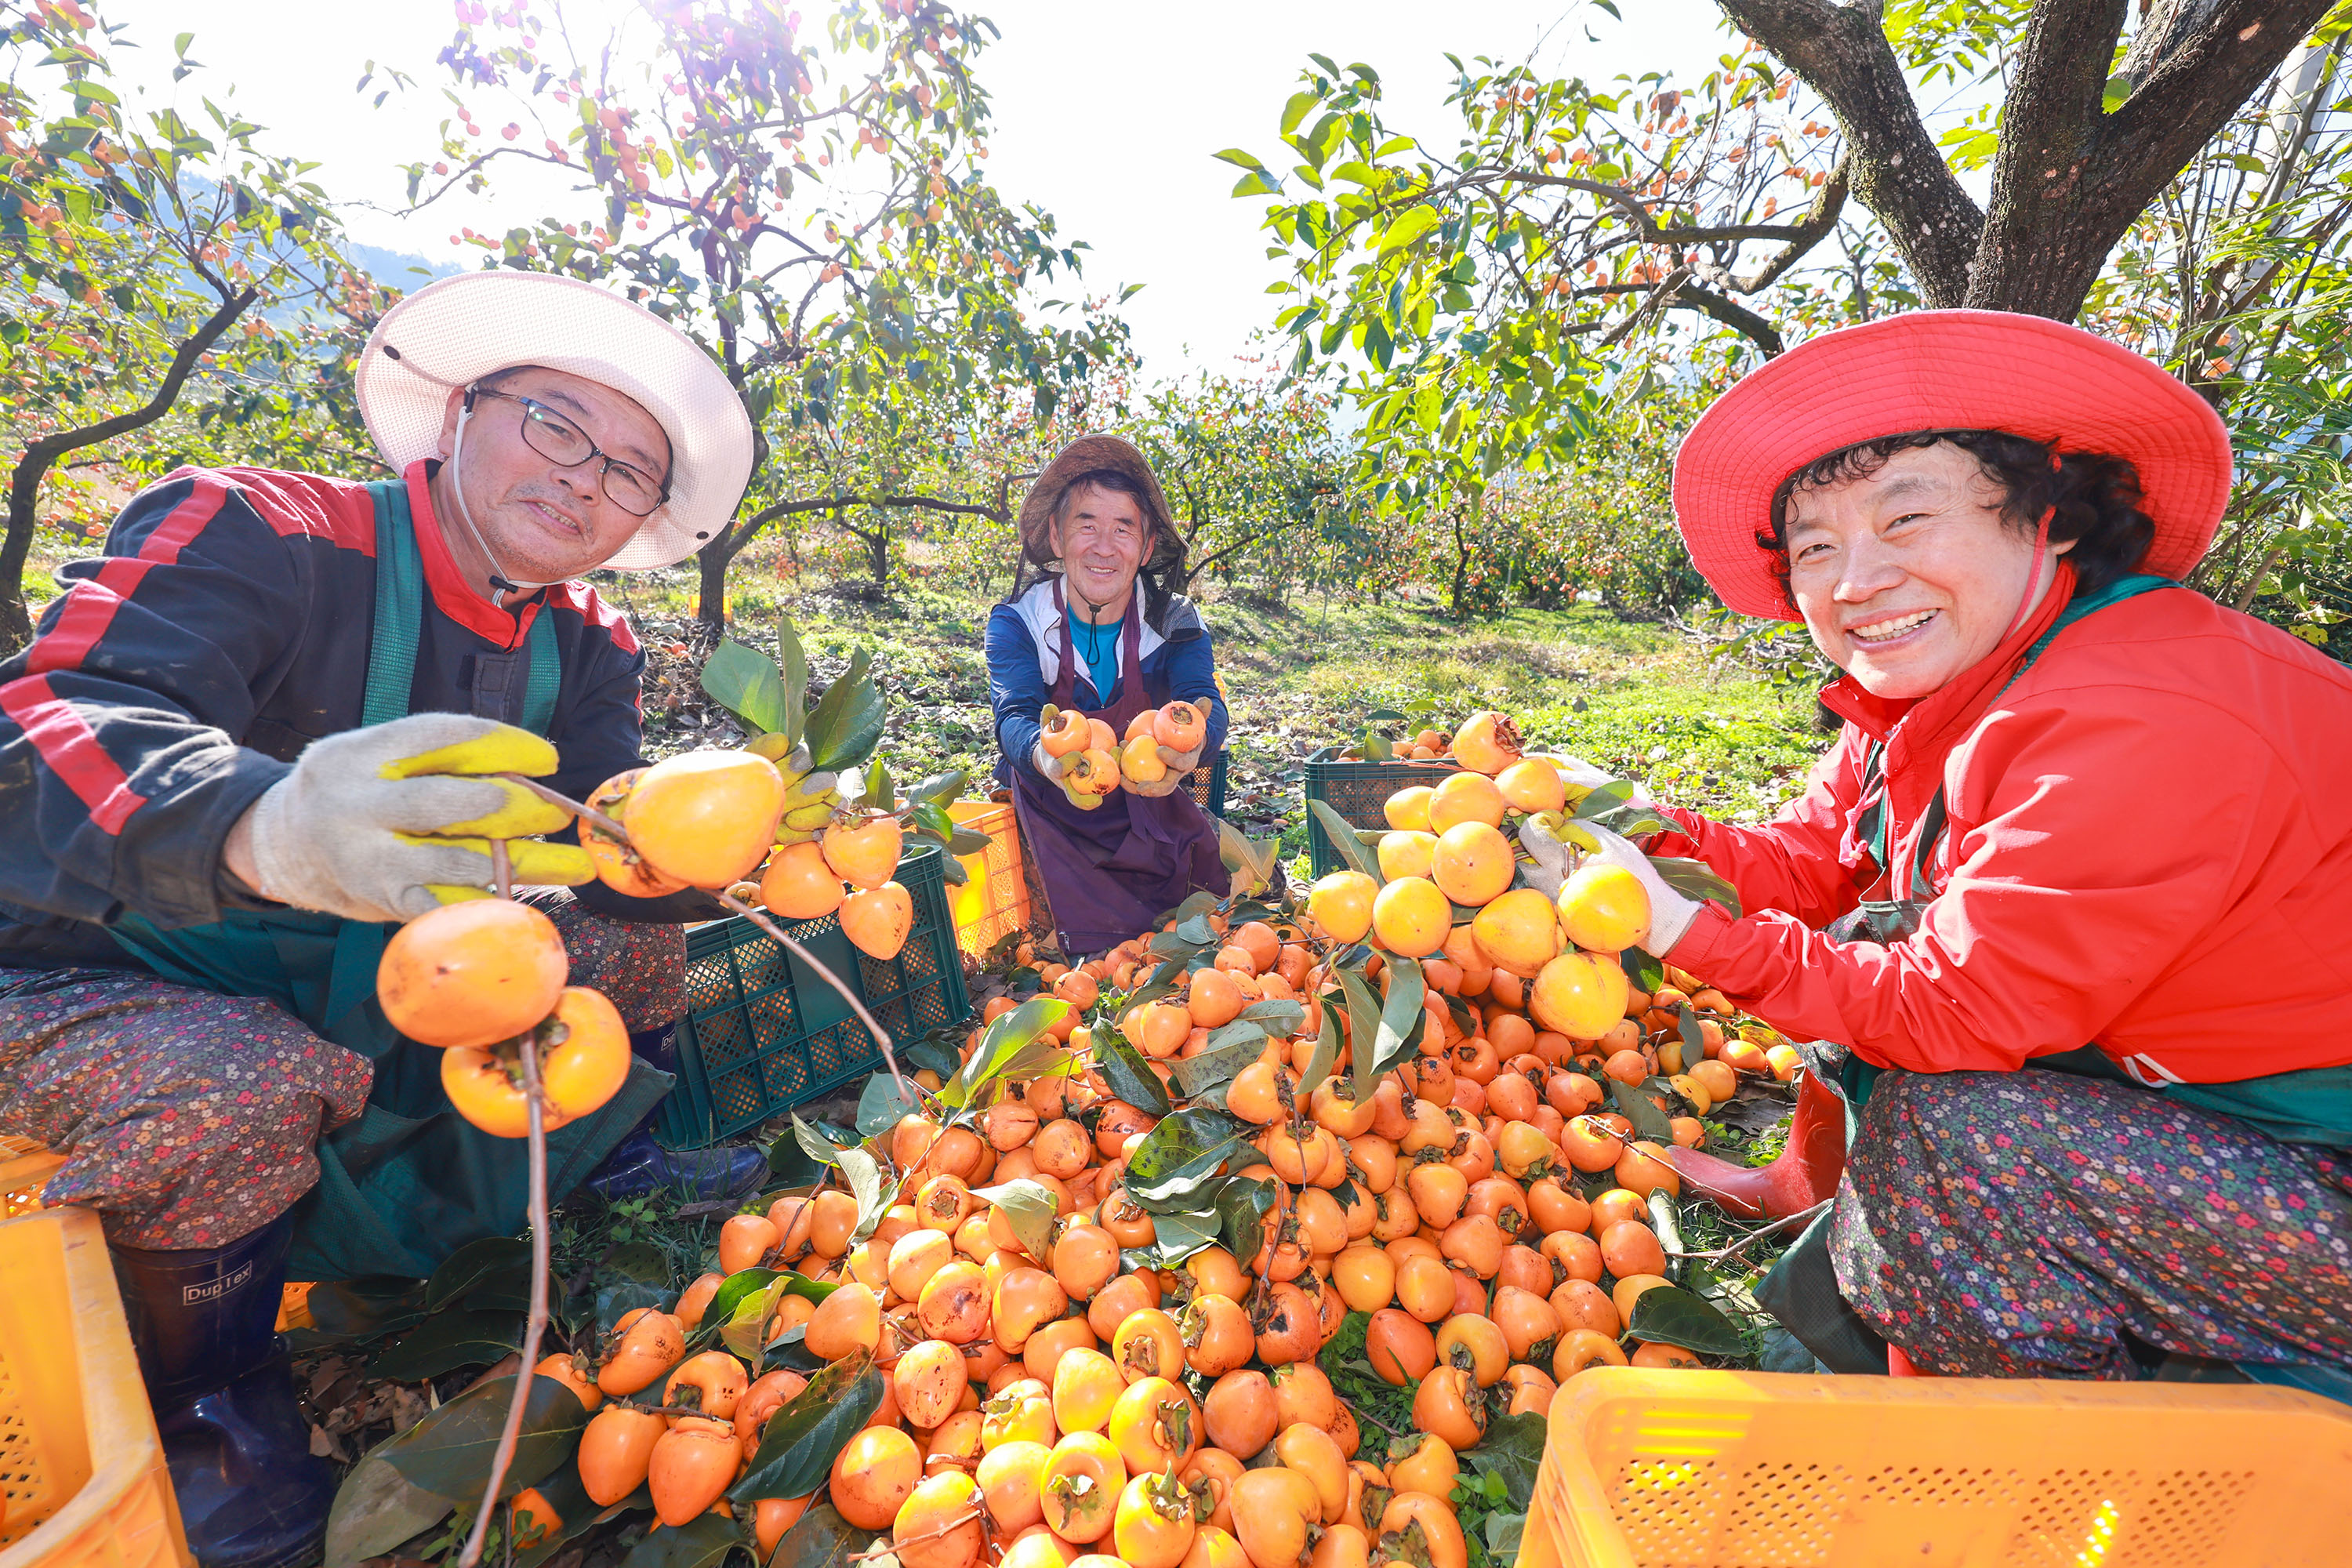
(205, 756)
(1101, 630)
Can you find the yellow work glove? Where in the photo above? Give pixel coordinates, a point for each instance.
(387, 822)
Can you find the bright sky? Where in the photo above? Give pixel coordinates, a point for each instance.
(1108, 115)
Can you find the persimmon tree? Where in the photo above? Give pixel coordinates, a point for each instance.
(1494, 294)
(169, 289)
(807, 199)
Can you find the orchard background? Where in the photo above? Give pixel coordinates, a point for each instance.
(1438, 483)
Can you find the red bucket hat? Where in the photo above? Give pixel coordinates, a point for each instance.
(1943, 370)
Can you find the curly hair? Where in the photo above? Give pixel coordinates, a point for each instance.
(2093, 498)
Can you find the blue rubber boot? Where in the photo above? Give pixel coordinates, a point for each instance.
(205, 1322)
(638, 1165)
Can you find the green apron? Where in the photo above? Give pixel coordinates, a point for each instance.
(2310, 1106)
(411, 1181)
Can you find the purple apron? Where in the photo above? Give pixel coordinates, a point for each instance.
(1110, 872)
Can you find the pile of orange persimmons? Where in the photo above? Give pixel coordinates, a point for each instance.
(1067, 1309)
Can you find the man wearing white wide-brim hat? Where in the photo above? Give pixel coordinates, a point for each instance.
(201, 756)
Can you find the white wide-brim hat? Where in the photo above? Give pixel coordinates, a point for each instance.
(450, 333)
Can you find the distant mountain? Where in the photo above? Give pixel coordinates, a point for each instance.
(400, 270)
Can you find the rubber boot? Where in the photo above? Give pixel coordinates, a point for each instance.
(1803, 1173)
(205, 1322)
(638, 1165)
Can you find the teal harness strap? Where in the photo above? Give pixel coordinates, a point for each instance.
(399, 607)
(546, 673)
(400, 617)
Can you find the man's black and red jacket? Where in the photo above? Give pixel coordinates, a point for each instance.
(226, 627)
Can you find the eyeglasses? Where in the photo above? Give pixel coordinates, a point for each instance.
(564, 444)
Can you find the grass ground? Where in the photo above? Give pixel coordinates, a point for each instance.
(1637, 698)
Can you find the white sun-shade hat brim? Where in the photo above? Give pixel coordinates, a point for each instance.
(452, 332)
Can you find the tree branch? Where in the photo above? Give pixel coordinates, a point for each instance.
(2070, 179)
(1732, 314)
(1841, 53)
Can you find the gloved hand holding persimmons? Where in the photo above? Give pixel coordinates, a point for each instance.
(480, 977)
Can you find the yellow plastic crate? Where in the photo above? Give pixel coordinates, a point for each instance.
(26, 1167)
(993, 900)
(1677, 1468)
(80, 1465)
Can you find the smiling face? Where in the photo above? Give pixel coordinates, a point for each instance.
(1102, 536)
(1909, 575)
(544, 523)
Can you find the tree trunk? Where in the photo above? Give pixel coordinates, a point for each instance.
(25, 481)
(2070, 176)
(713, 559)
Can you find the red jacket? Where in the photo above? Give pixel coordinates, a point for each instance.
(2150, 851)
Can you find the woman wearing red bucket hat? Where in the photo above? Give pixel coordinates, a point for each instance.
(2064, 900)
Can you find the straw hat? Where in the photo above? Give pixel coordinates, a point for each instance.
(1943, 370)
(1084, 456)
(452, 332)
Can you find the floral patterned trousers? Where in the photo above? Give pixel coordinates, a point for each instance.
(2018, 1225)
(189, 1119)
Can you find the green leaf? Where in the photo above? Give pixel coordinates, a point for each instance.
(1217, 1066)
(1696, 879)
(744, 1328)
(1408, 226)
(1648, 1120)
(745, 682)
(848, 721)
(809, 1432)
(1512, 1451)
(1342, 835)
(864, 1174)
(1183, 1152)
(1242, 1205)
(880, 1105)
(377, 1508)
(1676, 1316)
(1277, 1017)
(822, 1539)
(736, 1288)
(815, 1144)
(1003, 1049)
(791, 670)
(354, 1311)
(1327, 1052)
(1030, 1208)
(1128, 1075)
(477, 1263)
(1645, 973)
(1177, 1237)
(1668, 1223)
(448, 1453)
(705, 1541)
(1694, 1042)
(878, 793)
(446, 1342)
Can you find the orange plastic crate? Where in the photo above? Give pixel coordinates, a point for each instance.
(80, 1464)
(1677, 1468)
(24, 1168)
(993, 900)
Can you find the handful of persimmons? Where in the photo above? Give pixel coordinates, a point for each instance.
(479, 975)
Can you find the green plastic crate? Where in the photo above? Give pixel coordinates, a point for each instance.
(1207, 783)
(1357, 792)
(763, 1032)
